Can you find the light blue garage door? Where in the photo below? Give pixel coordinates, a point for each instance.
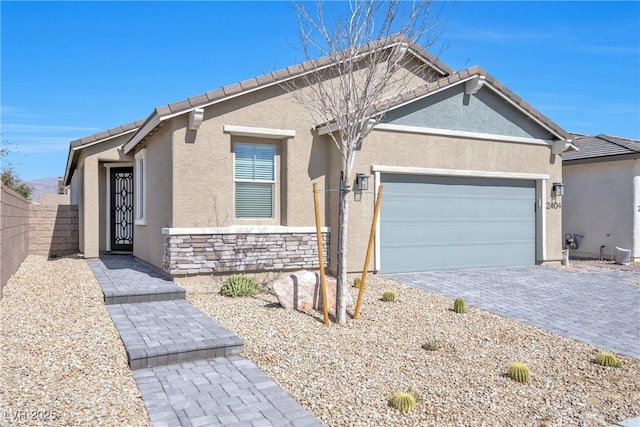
(440, 223)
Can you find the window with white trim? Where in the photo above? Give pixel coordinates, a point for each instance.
(140, 176)
(254, 178)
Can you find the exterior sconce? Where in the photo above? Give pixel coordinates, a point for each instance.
(362, 182)
(557, 189)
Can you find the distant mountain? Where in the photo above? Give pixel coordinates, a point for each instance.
(47, 185)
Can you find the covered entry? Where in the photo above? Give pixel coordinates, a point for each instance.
(447, 222)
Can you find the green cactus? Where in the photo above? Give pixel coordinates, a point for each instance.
(607, 359)
(239, 285)
(357, 282)
(404, 402)
(431, 345)
(519, 372)
(458, 305)
(389, 296)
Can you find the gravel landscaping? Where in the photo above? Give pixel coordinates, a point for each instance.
(61, 358)
(62, 361)
(345, 375)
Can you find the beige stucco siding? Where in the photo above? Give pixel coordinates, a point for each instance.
(148, 239)
(601, 203)
(203, 169)
(385, 148)
(93, 196)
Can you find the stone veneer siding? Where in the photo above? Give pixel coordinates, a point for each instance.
(186, 254)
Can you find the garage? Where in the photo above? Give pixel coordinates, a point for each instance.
(441, 222)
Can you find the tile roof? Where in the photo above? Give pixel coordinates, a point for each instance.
(276, 77)
(148, 125)
(601, 147)
(142, 128)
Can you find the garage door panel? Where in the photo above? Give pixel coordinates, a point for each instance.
(432, 223)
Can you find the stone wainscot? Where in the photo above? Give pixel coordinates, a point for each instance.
(226, 250)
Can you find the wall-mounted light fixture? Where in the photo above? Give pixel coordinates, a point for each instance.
(362, 182)
(557, 189)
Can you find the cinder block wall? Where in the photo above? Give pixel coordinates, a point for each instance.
(53, 230)
(14, 233)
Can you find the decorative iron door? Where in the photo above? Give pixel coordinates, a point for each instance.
(122, 209)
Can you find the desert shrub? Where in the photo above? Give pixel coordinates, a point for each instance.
(404, 402)
(519, 372)
(607, 359)
(458, 305)
(389, 296)
(239, 285)
(431, 345)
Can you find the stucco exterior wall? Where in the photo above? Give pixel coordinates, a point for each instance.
(385, 148)
(601, 203)
(93, 197)
(203, 169)
(148, 240)
(484, 112)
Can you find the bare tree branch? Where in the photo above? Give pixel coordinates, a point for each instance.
(361, 53)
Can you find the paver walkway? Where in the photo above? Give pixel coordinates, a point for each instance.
(599, 306)
(187, 366)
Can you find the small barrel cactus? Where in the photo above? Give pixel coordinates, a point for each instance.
(458, 305)
(519, 372)
(389, 296)
(239, 285)
(404, 402)
(431, 345)
(607, 359)
(357, 282)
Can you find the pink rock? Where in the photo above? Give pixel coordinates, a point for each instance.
(301, 291)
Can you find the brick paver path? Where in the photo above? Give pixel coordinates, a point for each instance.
(175, 353)
(599, 306)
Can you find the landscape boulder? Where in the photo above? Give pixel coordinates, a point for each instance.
(301, 291)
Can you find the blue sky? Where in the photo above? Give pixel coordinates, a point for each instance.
(71, 69)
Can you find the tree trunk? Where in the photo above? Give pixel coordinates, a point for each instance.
(343, 232)
(341, 282)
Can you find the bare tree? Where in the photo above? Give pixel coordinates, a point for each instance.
(363, 45)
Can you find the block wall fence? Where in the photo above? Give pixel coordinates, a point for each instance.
(25, 228)
(14, 233)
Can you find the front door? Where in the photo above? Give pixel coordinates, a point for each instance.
(121, 209)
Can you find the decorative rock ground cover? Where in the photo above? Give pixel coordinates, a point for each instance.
(61, 358)
(345, 375)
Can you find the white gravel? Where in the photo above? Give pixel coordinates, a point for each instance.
(344, 375)
(62, 362)
(61, 358)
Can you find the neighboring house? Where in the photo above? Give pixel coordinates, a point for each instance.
(222, 182)
(602, 198)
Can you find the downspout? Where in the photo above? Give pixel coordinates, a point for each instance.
(635, 237)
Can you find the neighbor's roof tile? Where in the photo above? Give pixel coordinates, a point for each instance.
(600, 147)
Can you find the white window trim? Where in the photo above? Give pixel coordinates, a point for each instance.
(243, 229)
(140, 178)
(255, 132)
(273, 183)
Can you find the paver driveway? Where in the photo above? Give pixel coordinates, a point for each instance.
(599, 307)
